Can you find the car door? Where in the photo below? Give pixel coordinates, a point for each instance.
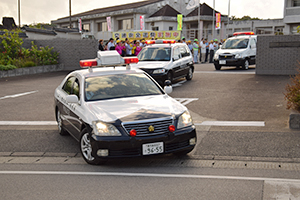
(70, 119)
(177, 68)
(185, 60)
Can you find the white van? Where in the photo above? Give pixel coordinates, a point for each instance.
(239, 51)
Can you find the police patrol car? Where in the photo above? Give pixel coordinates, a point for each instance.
(239, 50)
(118, 111)
(166, 60)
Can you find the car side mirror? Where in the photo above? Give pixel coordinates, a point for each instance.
(168, 87)
(72, 98)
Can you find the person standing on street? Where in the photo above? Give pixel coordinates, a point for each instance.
(203, 50)
(128, 47)
(111, 45)
(211, 51)
(101, 47)
(207, 50)
(195, 50)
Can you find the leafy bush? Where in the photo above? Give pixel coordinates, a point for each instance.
(292, 94)
(12, 53)
(7, 67)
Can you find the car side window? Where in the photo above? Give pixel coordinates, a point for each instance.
(76, 88)
(72, 86)
(183, 51)
(68, 85)
(253, 43)
(177, 54)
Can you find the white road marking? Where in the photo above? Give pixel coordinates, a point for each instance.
(223, 72)
(186, 101)
(231, 123)
(18, 95)
(27, 123)
(148, 175)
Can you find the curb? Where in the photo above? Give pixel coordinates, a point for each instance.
(31, 70)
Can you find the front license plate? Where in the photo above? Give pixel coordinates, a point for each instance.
(222, 62)
(153, 148)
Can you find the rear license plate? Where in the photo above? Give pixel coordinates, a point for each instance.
(222, 62)
(153, 148)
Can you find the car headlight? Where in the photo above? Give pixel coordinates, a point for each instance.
(104, 129)
(238, 55)
(159, 71)
(216, 56)
(184, 120)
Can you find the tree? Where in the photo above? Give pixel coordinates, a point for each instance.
(246, 17)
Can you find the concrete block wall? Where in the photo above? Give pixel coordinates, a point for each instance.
(70, 51)
(277, 60)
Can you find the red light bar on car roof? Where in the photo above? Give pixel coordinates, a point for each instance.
(160, 41)
(129, 60)
(88, 63)
(243, 33)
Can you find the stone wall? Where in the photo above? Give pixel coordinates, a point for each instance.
(70, 51)
(277, 55)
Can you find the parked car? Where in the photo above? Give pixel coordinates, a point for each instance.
(117, 111)
(166, 60)
(239, 51)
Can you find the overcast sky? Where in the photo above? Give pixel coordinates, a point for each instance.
(43, 11)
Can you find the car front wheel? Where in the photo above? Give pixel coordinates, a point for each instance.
(189, 75)
(170, 76)
(245, 65)
(217, 67)
(86, 149)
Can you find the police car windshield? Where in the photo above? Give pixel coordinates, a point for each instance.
(155, 54)
(119, 86)
(235, 43)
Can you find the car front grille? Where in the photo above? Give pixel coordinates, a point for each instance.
(226, 57)
(142, 129)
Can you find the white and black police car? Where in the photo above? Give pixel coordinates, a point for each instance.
(117, 111)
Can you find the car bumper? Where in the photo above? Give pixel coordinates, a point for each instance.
(126, 146)
(230, 62)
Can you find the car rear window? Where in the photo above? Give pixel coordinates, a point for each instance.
(119, 86)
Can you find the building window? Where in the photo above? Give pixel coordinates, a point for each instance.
(126, 24)
(102, 27)
(86, 27)
(296, 3)
(155, 28)
(294, 29)
(170, 28)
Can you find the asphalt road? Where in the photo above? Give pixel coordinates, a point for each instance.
(229, 162)
(226, 95)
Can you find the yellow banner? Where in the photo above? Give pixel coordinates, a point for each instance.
(147, 35)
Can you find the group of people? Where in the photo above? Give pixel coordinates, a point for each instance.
(123, 47)
(204, 48)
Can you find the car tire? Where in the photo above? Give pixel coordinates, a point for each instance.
(245, 66)
(217, 67)
(184, 152)
(189, 75)
(86, 149)
(170, 76)
(61, 129)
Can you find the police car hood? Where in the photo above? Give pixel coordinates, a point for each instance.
(135, 108)
(150, 64)
(230, 51)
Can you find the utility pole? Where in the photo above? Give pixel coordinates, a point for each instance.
(199, 21)
(70, 14)
(19, 13)
(213, 24)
